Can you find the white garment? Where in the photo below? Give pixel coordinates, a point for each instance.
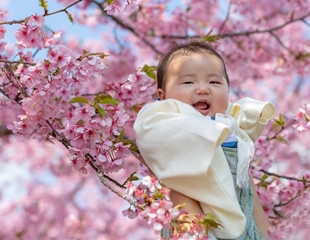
(182, 148)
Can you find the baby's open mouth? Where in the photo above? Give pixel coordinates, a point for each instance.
(201, 105)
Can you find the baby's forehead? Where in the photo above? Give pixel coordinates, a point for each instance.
(186, 52)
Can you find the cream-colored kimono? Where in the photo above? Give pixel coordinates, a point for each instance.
(183, 149)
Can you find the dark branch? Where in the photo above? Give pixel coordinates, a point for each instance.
(226, 19)
(44, 15)
(281, 43)
(128, 27)
(245, 33)
(4, 131)
(284, 177)
(282, 128)
(21, 62)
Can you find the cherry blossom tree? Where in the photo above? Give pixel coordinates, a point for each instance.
(67, 114)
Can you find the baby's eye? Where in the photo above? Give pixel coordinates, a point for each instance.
(215, 82)
(188, 82)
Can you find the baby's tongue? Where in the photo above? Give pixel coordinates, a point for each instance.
(201, 105)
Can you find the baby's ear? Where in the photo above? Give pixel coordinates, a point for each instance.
(161, 94)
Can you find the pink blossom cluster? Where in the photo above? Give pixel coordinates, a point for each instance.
(263, 158)
(158, 209)
(146, 192)
(45, 88)
(151, 202)
(160, 214)
(282, 200)
(2, 29)
(303, 119)
(130, 7)
(90, 134)
(55, 201)
(30, 34)
(137, 90)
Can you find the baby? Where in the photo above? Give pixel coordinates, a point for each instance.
(200, 145)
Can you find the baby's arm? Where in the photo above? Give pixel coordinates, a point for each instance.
(259, 215)
(192, 206)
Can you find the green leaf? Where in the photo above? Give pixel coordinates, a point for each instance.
(210, 221)
(57, 71)
(262, 182)
(302, 56)
(105, 99)
(158, 194)
(101, 111)
(110, 1)
(79, 100)
(70, 17)
(280, 122)
(149, 71)
(282, 140)
(304, 180)
(135, 108)
(132, 177)
(264, 177)
(44, 4)
(210, 38)
(122, 134)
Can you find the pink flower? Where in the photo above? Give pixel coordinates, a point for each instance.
(131, 6)
(53, 40)
(2, 46)
(36, 20)
(130, 213)
(2, 31)
(33, 105)
(130, 188)
(151, 182)
(83, 113)
(60, 56)
(111, 9)
(2, 13)
(30, 36)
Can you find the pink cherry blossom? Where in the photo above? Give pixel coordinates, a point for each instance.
(2, 32)
(131, 6)
(36, 20)
(111, 9)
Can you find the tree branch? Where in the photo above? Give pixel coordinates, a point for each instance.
(245, 33)
(105, 183)
(44, 15)
(226, 19)
(128, 27)
(9, 70)
(308, 24)
(4, 131)
(282, 128)
(284, 177)
(27, 63)
(281, 43)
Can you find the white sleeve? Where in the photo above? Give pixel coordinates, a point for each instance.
(182, 148)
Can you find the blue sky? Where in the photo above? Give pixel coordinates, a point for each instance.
(19, 9)
(12, 174)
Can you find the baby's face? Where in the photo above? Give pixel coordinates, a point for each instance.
(198, 80)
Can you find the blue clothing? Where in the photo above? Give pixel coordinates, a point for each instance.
(245, 197)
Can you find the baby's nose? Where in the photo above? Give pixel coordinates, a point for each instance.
(202, 89)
